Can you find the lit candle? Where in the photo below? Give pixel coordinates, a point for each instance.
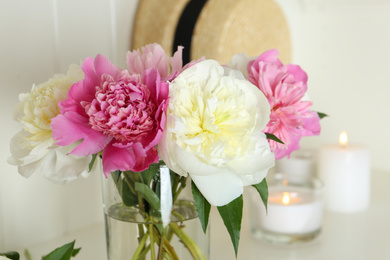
(345, 170)
(295, 210)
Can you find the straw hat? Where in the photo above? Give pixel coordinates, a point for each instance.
(223, 28)
(156, 21)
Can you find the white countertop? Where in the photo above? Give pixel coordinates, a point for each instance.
(354, 236)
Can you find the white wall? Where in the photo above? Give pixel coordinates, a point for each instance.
(343, 45)
(37, 40)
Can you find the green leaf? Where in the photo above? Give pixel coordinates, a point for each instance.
(160, 228)
(11, 255)
(27, 254)
(262, 189)
(76, 251)
(232, 216)
(157, 188)
(148, 194)
(202, 206)
(64, 252)
(150, 173)
(273, 138)
(117, 175)
(129, 198)
(92, 161)
(321, 115)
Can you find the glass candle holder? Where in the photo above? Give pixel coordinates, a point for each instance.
(295, 210)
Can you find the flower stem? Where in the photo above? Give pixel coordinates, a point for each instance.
(144, 252)
(151, 231)
(160, 248)
(178, 191)
(188, 242)
(140, 247)
(170, 250)
(129, 181)
(167, 256)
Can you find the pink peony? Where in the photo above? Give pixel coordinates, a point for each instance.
(154, 56)
(111, 111)
(285, 87)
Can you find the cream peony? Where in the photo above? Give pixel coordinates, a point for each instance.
(33, 149)
(213, 132)
(240, 62)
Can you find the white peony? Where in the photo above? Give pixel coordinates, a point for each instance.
(213, 132)
(33, 149)
(240, 62)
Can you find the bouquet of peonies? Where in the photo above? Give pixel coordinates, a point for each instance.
(221, 126)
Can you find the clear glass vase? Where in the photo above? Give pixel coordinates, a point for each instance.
(135, 231)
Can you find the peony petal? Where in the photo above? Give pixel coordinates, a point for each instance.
(103, 66)
(142, 163)
(270, 56)
(24, 156)
(72, 127)
(88, 86)
(167, 155)
(151, 79)
(165, 195)
(127, 159)
(160, 128)
(293, 146)
(311, 125)
(219, 188)
(27, 160)
(298, 73)
(153, 56)
(115, 158)
(254, 167)
(176, 60)
(61, 168)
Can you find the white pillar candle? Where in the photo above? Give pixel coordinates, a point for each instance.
(345, 171)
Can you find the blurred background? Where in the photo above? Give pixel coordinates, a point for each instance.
(343, 46)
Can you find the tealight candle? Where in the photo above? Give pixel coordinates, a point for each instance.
(295, 210)
(345, 170)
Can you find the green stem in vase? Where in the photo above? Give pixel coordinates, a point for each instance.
(160, 248)
(131, 178)
(140, 231)
(140, 248)
(188, 242)
(144, 252)
(152, 253)
(175, 182)
(178, 216)
(170, 250)
(169, 233)
(178, 191)
(167, 256)
(129, 181)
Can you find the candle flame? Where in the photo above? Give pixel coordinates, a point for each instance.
(286, 198)
(343, 139)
